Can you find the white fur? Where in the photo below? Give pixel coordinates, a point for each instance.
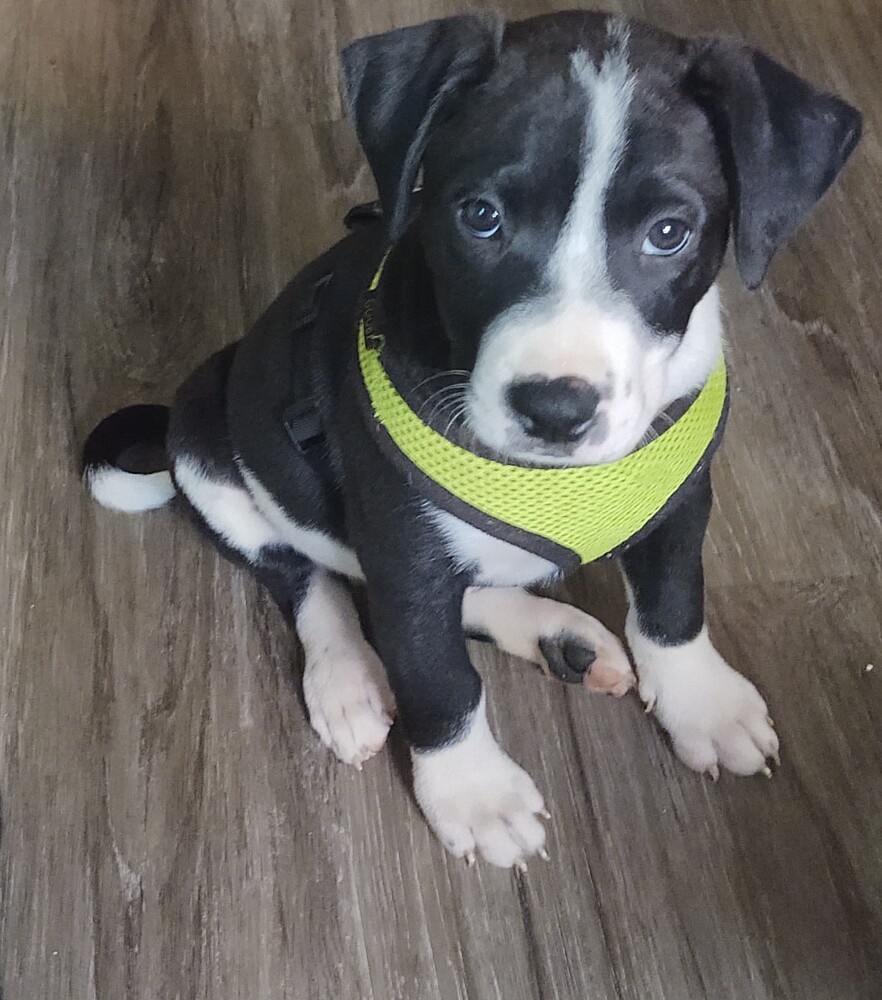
(584, 328)
(127, 491)
(698, 352)
(476, 798)
(660, 371)
(344, 684)
(516, 620)
(321, 548)
(579, 260)
(249, 519)
(715, 717)
(580, 329)
(228, 509)
(496, 562)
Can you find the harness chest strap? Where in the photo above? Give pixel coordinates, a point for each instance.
(569, 515)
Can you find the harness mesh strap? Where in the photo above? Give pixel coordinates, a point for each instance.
(573, 514)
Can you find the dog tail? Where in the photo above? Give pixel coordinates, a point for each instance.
(125, 463)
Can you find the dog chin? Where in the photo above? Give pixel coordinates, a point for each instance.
(607, 440)
(524, 450)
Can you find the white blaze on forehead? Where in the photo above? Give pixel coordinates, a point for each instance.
(580, 325)
(578, 263)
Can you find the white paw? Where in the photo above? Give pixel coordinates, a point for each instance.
(715, 717)
(477, 799)
(349, 702)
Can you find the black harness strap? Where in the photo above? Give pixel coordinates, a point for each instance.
(301, 418)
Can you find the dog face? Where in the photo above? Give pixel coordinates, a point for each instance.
(591, 221)
(580, 173)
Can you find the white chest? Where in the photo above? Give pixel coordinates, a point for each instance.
(496, 563)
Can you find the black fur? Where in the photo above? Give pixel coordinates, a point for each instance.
(568, 656)
(716, 130)
(400, 83)
(782, 144)
(133, 438)
(666, 575)
(199, 429)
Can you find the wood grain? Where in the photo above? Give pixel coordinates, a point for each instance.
(171, 828)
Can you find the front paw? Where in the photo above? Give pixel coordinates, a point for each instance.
(584, 652)
(476, 799)
(565, 642)
(349, 702)
(714, 716)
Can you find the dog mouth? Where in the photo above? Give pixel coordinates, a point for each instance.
(528, 449)
(446, 402)
(582, 452)
(613, 432)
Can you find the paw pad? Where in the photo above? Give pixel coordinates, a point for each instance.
(569, 657)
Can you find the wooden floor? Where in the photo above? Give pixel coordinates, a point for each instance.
(171, 827)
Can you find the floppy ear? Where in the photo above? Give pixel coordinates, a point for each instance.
(781, 141)
(399, 82)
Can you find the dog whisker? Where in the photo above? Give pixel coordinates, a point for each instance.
(456, 416)
(450, 387)
(450, 395)
(470, 438)
(444, 390)
(439, 410)
(445, 374)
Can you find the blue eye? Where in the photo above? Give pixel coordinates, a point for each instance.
(666, 238)
(480, 217)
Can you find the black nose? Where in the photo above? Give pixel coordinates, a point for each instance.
(557, 410)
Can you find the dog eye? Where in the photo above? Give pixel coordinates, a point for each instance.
(666, 238)
(480, 217)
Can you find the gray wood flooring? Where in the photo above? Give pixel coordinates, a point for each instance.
(171, 828)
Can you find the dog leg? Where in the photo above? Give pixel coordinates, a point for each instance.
(477, 799)
(715, 717)
(474, 796)
(344, 684)
(566, 642)
(347, 695)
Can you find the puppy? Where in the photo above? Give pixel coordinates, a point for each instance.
(547, 294)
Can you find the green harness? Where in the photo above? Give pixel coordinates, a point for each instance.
(569, 515)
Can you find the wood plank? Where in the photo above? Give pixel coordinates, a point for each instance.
(171, 828)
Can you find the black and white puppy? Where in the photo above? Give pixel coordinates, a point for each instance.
(547, 295)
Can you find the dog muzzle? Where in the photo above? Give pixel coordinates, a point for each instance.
(569, 515)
